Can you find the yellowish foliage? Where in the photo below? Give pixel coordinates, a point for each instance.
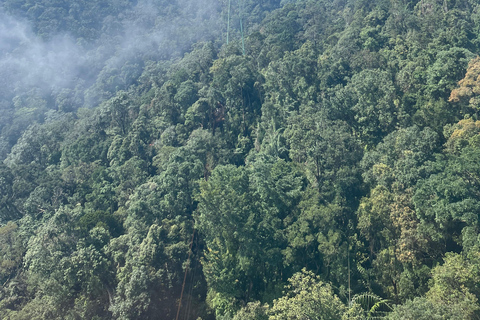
(464, 133)
(469, 86)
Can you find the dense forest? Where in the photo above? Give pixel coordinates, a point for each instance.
(239, 159)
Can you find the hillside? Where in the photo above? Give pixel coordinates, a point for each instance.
(323, 164)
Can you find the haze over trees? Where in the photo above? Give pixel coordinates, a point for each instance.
(324, 165)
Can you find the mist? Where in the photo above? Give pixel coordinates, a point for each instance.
(26, 61)
(56, 65)
(146, 31)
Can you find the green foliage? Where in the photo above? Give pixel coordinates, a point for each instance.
(8, 210)
(318, 237)
(423, 309)
(12, 250)
(240, 212)
(370, 96)
(453, 294)
(307, 297)
(455, 285)
(168, 162)
(329, 152)
(252, 311)
(373, 306)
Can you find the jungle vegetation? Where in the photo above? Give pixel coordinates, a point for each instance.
(324, 164)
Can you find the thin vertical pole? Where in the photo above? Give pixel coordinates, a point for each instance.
(185, 276)
(349, 290)
(241, 26)
(228, 21)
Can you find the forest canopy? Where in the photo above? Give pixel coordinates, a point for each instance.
(239, 159)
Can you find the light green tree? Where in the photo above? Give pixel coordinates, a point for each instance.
(307, 297)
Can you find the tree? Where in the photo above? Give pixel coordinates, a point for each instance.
(307, 297)
(465, 133)
(372, 98)
(237, 81)
(455, 284)
(290, 84)
(446, 70)
(62, 268)
(328, 150)
(453, 293)
(241, 212)
(12, 292)
(318, 238)
(150, 266)
(8, 210)
(422, 309)
(252, 311)
(388, 218)
(121, 111)
(446, 202)
(468, 88)
(227, 218)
